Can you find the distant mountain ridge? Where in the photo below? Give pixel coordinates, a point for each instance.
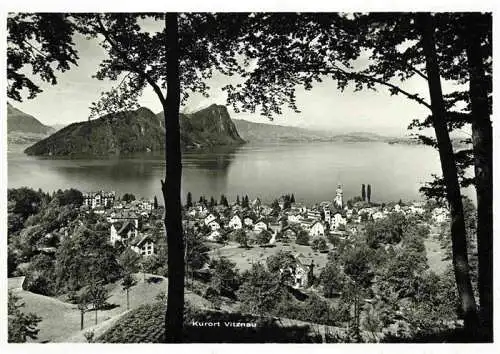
(138, 131)
(23, 128)
(262, 132)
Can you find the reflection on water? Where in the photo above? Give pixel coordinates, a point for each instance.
(311, 171)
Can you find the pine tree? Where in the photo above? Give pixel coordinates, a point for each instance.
(237, 200)
(292, 199)
(363, 192)
(189, 200)
(369, 193)
(155, 203)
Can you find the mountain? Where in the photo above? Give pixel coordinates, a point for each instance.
(57, 127)
(262, 132)
(138, 131)
(23, 128)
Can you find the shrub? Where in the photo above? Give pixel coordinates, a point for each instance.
(302, 238)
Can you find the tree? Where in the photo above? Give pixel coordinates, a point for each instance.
(97, 296)
(196, 251)
(369, 193)
(155, 203)
(260, 290)
(128, 282)
(128, 197)
(33, 43)
(225, 277)
(382, 34)
(425, 24)
(280, 260)
(129, 261)
(189, 200)
(263, 238)
(242, 238)
(20, 325)
(194, 43)
(237, 200)
(363, 192)
(292, 199)
(319, 244)
(332, 278)
(302, 238)
(83, 305)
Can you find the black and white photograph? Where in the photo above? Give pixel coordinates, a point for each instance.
(248, 177)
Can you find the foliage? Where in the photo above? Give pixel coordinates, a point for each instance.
(128, 197)
(40, 275)
(263, 238)
(69, 197)
(280, 260)
(225, 278)
(129, 261)
(332, 278)
(241, 237)
(20, 325)
(388, 230)
(302, 238)
(38, 45)
(84, 257)
(259, 290)
(196, 251)
(319, 244)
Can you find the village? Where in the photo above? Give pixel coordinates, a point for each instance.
(231, 230)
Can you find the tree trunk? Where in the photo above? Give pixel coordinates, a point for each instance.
(449, 169)
(482, 142)
(171, 188)
(95, 316)
(128, 304)
(81, 320)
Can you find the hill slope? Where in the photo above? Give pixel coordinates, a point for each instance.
(138, 131)
(23, 128)
(262, 132)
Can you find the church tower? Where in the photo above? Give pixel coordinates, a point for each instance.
(338, 202)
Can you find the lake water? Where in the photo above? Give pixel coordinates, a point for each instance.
(310, 170)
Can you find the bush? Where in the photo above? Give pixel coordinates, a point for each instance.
(302, 238)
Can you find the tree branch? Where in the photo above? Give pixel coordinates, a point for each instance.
(130, 65)
(363, 77)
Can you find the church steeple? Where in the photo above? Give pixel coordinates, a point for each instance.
(339, 201)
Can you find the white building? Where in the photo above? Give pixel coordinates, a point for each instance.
(317, 229)
(339, 199)
(337, 220)
(260, 226)
(235, 223)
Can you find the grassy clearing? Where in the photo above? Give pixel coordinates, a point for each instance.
(61, 320)
(435, 255)
(245, 257)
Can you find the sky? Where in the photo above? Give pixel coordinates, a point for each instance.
(323, 107)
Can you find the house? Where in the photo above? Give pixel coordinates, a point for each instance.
(209, 218)
(248, 221)
(124, 215)
(123, 231)
(214, 225)
(260, 226)
(314, 214)
(301, 271)
(289, 233)
(275, 226)
(307, 223)
(299, 207)
(317, 229)
(144, 245)
(97, 199)
(214, 235)
(337, 220)
(378, 215)
(235, 223)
